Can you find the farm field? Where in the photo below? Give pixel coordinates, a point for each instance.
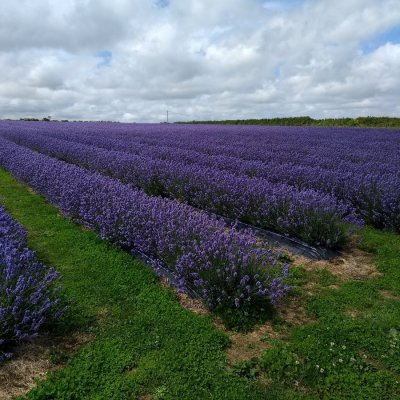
(318, 182)
(233, 316)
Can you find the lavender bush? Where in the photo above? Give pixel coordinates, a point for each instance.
(184, 239)
(27, 294)
(228, 276)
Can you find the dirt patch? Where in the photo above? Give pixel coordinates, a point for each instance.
(18, 376)
(146, 397)
(245, 346)
(387, 294)
(32, 362)
(353, 264)
(194, 305)
(353, 313)
(293, 313)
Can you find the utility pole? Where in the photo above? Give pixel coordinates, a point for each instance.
(167, 116)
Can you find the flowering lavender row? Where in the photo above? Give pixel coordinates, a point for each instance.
(279, 159)
(367, 178)
(228, 268)
(299, 145)
(315, 217)
(27, 294)
(328, 148)
(358, 167)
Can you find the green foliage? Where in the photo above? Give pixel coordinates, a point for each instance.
(57, 355)
(247, 369)
(238, 320)
(360, 122)
(323, 277)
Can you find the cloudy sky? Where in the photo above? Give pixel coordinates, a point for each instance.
(131, 60)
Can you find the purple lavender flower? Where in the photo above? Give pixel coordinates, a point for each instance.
(27, 294)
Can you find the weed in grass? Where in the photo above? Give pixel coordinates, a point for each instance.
(248, 369)
(58, 355)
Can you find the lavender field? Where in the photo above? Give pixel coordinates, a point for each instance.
(170, 194)
(143, 186)
(314, 183)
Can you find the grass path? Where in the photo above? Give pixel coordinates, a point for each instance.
(146, 344)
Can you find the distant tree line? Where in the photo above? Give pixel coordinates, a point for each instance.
(365, 122)
(47, 119)
(362, 122)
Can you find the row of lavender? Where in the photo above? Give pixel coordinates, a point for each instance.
(227, 268)
(274, 154)
(324, 147)
(317, 218)
(357, 167)
(28, 297)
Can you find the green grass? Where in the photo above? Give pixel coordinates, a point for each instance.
(342, 356)
(145, 343)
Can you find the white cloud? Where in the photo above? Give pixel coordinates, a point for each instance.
(132, 60)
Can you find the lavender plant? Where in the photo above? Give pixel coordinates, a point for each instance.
(233, 273)
(182, 238)
(28, 297)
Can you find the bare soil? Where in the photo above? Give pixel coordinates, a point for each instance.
(353, 313)
(32, 362)
(387, 294)
(246, 345)
(354, 264)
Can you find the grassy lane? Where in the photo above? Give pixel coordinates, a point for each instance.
(145, 344)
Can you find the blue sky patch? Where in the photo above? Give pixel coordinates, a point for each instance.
(105, 58)
(392, 35)
(281, 5)
(162, 3)
(277, 70)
